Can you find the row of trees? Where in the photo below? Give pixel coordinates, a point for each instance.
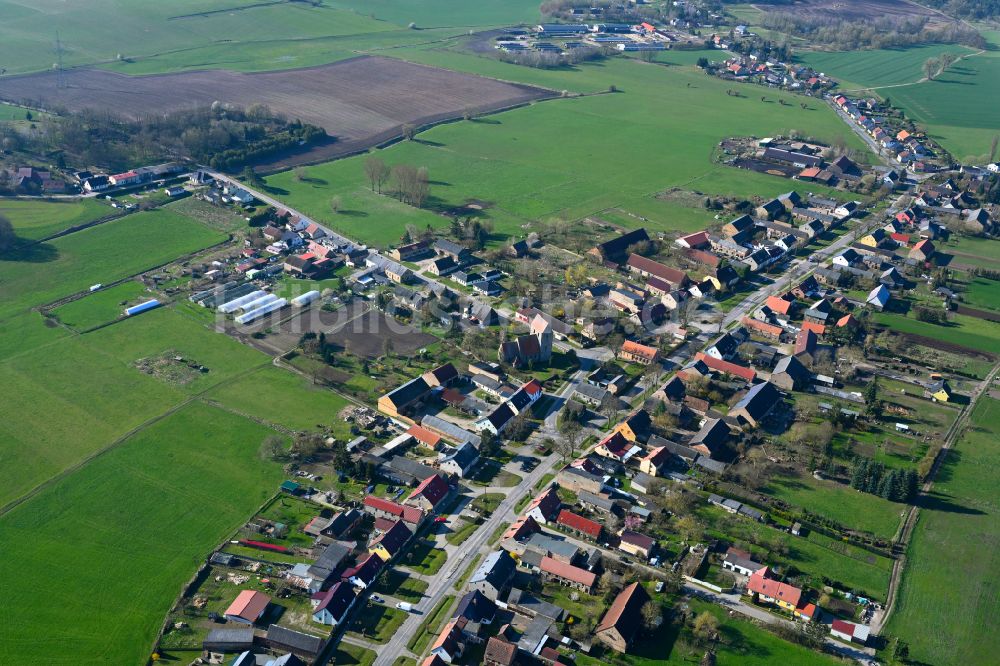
(895, 485)
(934, 67)
(877, 33)
(551, 59)
(410, 184)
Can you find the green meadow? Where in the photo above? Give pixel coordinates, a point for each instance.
(74, 396)
(48, 271)
(971, 332)
(948, 597)
(572, 157)
(111, 545)
(101, 306)
(34, 220)
(839, 502)
(957, 109)
(143, 38)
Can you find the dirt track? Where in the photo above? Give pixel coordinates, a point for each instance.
(857, 10)
(362, 102)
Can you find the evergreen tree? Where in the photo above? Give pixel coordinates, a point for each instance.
(911, 486)
(858, 479)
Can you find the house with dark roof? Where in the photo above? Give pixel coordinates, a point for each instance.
(525, 603)
(406, 398)
(332, 606)
(429, 494)
(364, 572)
(621, 624)
(770, 209)
(637, 544)
(725, 347)
(389, 544)
(740, 561)
(500, 652)
(459, 461)
(575, 480)
(790, 375)
(647, 268)
(616, 249)
(229, 639)
(497, 420)
(329, 562)
(493, 576)
(545, 507)
(405, 471)
(758, 402)
(300, 644)
(711, 439)
(443, 375)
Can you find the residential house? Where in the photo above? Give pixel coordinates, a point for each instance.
(575, 479)
(805, 345)
(429, 495)
(634, 352)
(328, 564)
(739, 229)
(405, 471)
(939, 391)
(922, 251)
(248, 607)
(331, 607)
(790, 375)
(616, 249)
(740, 562)
(636, 427)
(497, 421)
(363, 573)
(637, 544)
(770, 209)
(772, 591)
(544, 508)
(726, 346)
(617, 447)
(696, 241)
(850, 632)
(449, 644)
(493, 576)
(623, 620)
(405, 399)
(711, 438)
(500, 652)
(461, 461)
(567, 574)
(878, 297)
(390, 543)
(758, 402)
(411, 251)
(647, 268)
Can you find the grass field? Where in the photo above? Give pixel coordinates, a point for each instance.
(34, 220)
(73, 397)
(877, 67)
(111, 251)
(982, 293)
(101, 536)
(955, 108)
(528, 164)
(101, 306)
(353, 655)
(841, 503)
(282, 397)
(146, 38)
(962, 330)
(948, 595)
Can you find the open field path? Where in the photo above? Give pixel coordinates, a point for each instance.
(906, 532)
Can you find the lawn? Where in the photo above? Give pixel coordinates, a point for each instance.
(280, 396)
(982, 293)
(99, 535)
(402, 586)
(43, 273)
(424, 557)
(487, 503)
(353, 655)
(815, 555)
(376, 623)
(877, 67)
(508, 159)
(838, 502)
(27, 331)
(463, 531)
(978, 334)
(948, 596)
(34, 220)
(102, 306)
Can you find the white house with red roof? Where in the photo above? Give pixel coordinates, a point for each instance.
(616, 447)
(429, 494)
(383, 508)
(545, 508)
